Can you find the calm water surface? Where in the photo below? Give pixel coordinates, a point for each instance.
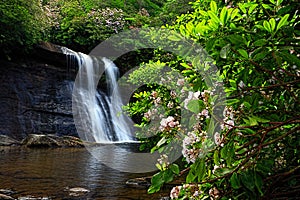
(49, 172)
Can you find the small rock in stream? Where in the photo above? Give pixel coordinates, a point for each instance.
(77, 191)
(5, 197)
(34, 198)
(7, 191)
(139, 182)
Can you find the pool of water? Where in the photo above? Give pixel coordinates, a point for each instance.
(50, 172)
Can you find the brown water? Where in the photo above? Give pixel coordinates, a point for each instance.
(50, 172)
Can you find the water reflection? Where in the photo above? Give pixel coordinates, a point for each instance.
(48, 172)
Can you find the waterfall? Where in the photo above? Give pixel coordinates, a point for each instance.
(97, 114)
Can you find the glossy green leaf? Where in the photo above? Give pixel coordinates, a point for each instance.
(213, 6)
(230, 102)
(202, 12)
(201, 170)
(200, 28)
(258, 182)
(234, 181)
(266, 6)
(252, 7)
(216, 157)
(156, 182)
(236, 40)
(234, 13)
(243, 53)
(260, 42)
(175, 169)
(168, 175)
(248, 180)
(267, 26)
(273, 24)
(189, 27)
(214, 17)
(283, 21)
(224, 16)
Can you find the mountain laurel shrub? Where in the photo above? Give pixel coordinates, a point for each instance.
(255, 144)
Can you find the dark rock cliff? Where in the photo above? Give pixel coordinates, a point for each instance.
(35, 95)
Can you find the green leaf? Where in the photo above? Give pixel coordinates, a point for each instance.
(168, 176)
(266, 6)
(252, 7)
(260, 42)
(259, 119)
(236, 40)
(201, 169)
(202, 12)
(234, 181)
(224, 16)
(156, 182)
(190, 177)
(162, 141)
(283, 21)
(258, 182)
(247, 104)
(252, 121)
(248, 180)
(267, 26)
(260, 55)
(222, 171)
(234, 13)
(198, 170)
(189, 27)
(272, 1)
(230, 102)
(216, 157)
(214, 17)
(196, 106)
(243, 53)
(200, 28)
(175, 169)
(213, 6)
(273, 24)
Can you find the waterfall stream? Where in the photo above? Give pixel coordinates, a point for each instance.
(97, 114)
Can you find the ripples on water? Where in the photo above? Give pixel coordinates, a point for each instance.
(49, 172)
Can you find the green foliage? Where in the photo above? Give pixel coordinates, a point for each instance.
(255, 46)
(22, 25)
(83, 24)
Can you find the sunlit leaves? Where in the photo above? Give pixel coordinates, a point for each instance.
(282, 21)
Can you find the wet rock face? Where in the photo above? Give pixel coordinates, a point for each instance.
(35, 97)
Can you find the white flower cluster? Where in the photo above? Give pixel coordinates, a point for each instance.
(185, 189)
(110, 17)
(175, 192)
(214, 193)
(151, 114)
(189, 151)
(166, 124)
(228, 121)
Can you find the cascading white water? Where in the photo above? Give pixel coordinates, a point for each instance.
(100, 114)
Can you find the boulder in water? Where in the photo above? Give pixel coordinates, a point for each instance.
(8, 141)
(35, 140)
